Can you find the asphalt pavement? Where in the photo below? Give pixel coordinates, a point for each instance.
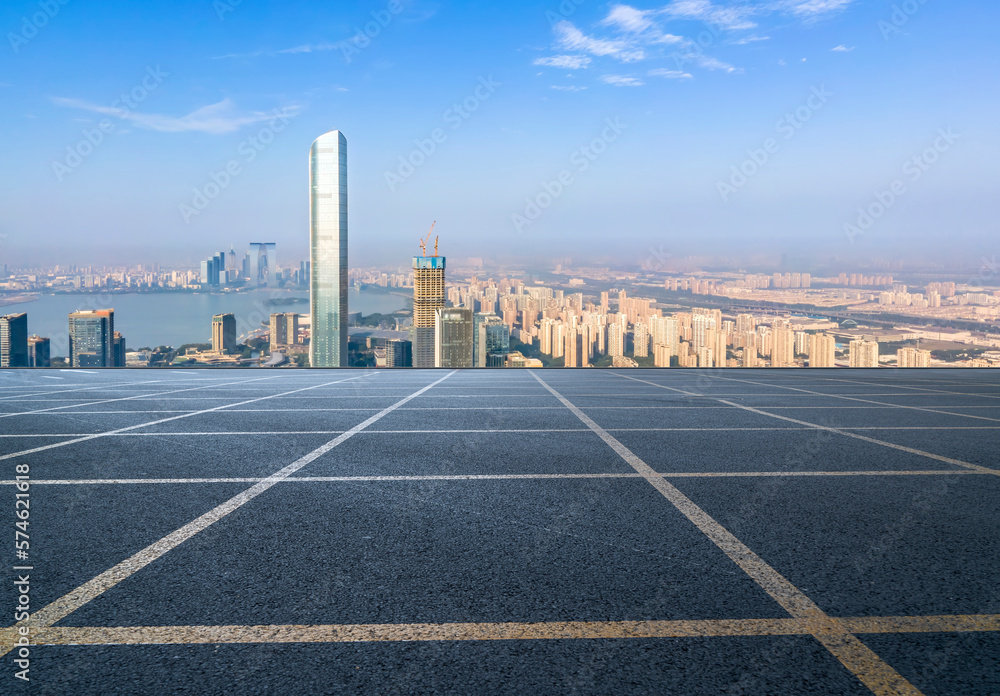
(500, 531)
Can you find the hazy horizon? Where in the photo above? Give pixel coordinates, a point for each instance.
(646, 113)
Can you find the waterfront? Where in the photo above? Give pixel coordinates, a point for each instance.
(175, 318)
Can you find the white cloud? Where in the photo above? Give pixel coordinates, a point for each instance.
(569, 88)
(628, 19)
(309, 48)
(669, 39)
(710, 63)
(670, 74)
(705, 11)
(565, 62)
(812, 8)
(621, 81)
(221, 117)
(753, 38)
(568, 36)
(842, 49)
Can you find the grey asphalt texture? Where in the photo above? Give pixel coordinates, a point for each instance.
(485, 499)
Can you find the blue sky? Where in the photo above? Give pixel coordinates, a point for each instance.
(507, 99)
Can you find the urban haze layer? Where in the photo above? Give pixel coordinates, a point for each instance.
(662, 313)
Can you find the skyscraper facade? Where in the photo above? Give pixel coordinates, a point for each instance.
(39, 352)
(224, 333)
(428, 298)
(92, 338)
(263, 265)
(328, 250)
(284, 329)
(14, 340)
(453, 337)
(118, 350)
(492, 341)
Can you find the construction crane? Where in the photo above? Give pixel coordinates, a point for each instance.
(423, 242)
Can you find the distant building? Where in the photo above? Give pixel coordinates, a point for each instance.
(428, 298)
(453, 337)
(574, 353)
(284, 329)
(640, 340)
(822, 351)
(661, 355)
(863, 353)
(92, 338)
(616, 338)
(39, 352)
(263, 267)
(783, 348)
(118, 350)
(14, 340)
(911, 357)
(224, 333)
(517, 359)
(393, 352)
(490, 338)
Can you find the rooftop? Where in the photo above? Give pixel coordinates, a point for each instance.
(520, 531)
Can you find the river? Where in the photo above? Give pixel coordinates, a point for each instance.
(175, 318)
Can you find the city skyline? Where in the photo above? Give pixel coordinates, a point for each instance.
(730, 139)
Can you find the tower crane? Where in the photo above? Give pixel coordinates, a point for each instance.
(423, 242)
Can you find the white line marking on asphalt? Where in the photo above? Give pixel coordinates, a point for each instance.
(94, 436)
(73, 600)
(834, 636)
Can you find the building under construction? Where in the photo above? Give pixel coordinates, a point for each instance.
(428, 297)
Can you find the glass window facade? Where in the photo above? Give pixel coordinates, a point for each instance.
(328, 250)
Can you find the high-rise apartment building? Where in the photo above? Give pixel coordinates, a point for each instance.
(558, 339)
(782, 347)
(453, 337)
(39, 352)
(428, 298)
(801, 343)
(911, 357)
(822, 351)
(863, 353)
(661, 355)
(616, 338)
(750, 356)
(14, 340)
(640, 340)
(92, 338)
(328, 250)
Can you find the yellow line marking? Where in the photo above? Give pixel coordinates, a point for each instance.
(873, 672)
(552, 630)
(948, 623)
(73, 600)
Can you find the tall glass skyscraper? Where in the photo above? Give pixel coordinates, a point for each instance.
(92, 338)
(328, 250)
